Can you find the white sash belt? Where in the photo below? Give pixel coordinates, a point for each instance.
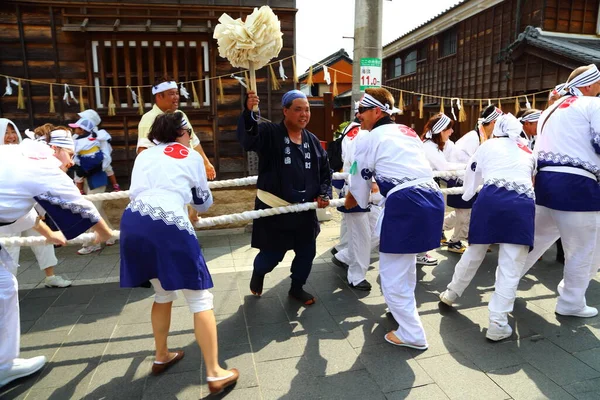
(570, 170)
(270, 199)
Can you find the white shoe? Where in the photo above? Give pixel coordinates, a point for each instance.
(57, 281)
(586, 312)
(111, 241)
(448, 297)
(496, 332)
(21, 367)
(427, 260)
(89, 249)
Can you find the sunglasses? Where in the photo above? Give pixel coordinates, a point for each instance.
(364, 109)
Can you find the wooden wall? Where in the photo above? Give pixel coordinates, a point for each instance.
(476, 69)
(571, 16)
(35, 46)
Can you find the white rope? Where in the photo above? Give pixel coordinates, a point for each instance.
(203, 222)
(250, 180)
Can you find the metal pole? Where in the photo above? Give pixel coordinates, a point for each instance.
(367, 37)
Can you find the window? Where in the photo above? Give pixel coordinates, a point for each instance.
(448, 43)
(397, 67)
(139, 63)
(422, 53)
(410, 63)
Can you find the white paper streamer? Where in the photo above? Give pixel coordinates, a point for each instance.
(282, 74)
(9, 91)
(240, 79)
(184, 91)
(133, 96)
(326, 75)
(66, 95)
(452, 106)
(527, 104)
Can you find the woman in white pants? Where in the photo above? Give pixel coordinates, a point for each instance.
(44, 254)
(503, 213)
(33, 172)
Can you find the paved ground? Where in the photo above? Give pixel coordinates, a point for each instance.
(98, 337)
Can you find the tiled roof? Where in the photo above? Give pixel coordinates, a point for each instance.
(459, 3)
(577, 47)
(327, 61)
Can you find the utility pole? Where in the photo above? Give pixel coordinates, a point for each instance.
(367, 38)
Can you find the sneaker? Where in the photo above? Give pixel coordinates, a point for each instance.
(586, 312)
(21, 367)
(116, 187)
(496, 332)
(339, 263)
(448, 297)
(56, 281)
(364, 285)
(301, 295)
(111, 241)
(443, 240)
(456, 247)
(256, 284)
(427, 260)
(89, 249)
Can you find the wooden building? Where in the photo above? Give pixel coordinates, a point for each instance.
(489, 49)
(328, 111)
(100, 44)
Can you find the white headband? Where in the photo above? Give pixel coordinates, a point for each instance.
(60, 138)
(371, 102)
(492, 117)
(508, 126)
(586, 78)
(534, 116)
(439, 126)
(163, 87)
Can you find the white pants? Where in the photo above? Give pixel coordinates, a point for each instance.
(398, 281)
(511, 258)
(580, 235)
(44, 254)
(10, 328)
(361, 240)
(459, 221)
(198, 300)
(343, 243)
(99, 204)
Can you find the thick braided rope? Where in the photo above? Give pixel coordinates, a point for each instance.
(203, 222)
(251, 180)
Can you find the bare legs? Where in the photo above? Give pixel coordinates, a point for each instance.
(205, 330)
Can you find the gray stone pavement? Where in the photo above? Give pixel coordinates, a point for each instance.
(98, 338)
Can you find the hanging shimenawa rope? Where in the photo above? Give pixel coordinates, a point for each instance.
(51, 108)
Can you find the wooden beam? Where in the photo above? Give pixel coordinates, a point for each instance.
(102, 73)
(127, 60)
(56, 59)
(200, 69)
(152, 73)
(115, 73)
(25, 63)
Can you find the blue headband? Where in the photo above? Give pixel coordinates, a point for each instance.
(291, 96)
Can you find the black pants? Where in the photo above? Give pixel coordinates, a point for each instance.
(267, 260)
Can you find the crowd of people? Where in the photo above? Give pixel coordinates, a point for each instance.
(393, 203)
